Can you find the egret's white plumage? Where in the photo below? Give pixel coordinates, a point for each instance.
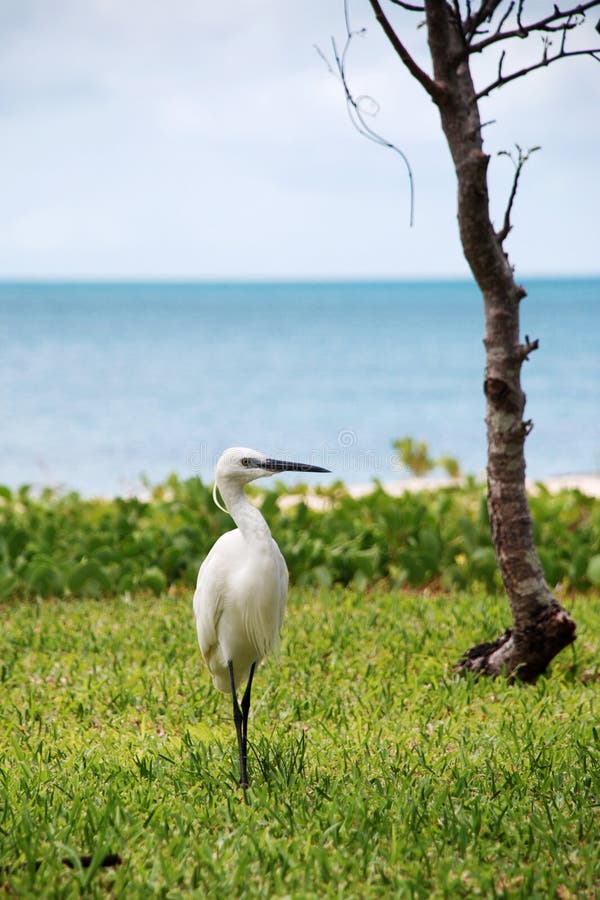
(242, 584)
(240, 595)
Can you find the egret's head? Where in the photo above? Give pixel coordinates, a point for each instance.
(243, 465)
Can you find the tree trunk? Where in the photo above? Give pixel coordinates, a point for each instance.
(541, 626)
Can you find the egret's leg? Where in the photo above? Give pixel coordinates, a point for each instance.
(246, 709)
(238, 719)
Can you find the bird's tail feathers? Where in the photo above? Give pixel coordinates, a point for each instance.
(221, 682)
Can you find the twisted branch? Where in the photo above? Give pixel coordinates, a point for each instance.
(356, 106)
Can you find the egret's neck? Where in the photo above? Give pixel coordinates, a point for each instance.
(247, 517)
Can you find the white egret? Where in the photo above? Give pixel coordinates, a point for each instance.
(242, 586)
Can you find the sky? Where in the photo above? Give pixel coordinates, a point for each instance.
(195, 140)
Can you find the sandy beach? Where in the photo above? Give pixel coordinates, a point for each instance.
(587, 484)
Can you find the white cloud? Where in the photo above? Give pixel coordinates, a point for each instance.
(193, 138)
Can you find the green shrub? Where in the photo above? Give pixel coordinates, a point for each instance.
(55, 545)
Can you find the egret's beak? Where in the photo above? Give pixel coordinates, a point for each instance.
(281, 465)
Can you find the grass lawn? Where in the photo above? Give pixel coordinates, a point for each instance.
(376, 771)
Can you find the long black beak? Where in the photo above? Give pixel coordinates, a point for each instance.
(282, 465)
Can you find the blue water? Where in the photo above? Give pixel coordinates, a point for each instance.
(101, 383)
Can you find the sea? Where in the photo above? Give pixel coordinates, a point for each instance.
(105, 387)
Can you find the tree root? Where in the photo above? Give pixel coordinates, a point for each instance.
(523, 654)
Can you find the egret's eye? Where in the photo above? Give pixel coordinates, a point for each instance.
(250, 462)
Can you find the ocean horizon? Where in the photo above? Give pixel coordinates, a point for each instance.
(104, 382)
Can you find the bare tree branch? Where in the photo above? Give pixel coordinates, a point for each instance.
(435, 90)
(507, 13)
(501, 63)
(528, 347)
(409, 6)
(546, 60)
(485, 13)
(363, 105)
(566, 19)
(458, 17)
(518, 163)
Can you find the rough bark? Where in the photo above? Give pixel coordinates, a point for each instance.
(541, 627)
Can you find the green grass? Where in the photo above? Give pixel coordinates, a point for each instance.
(376, 771)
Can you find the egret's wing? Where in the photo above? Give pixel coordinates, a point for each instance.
(283, 577)
(211, 592)
(208, 606)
